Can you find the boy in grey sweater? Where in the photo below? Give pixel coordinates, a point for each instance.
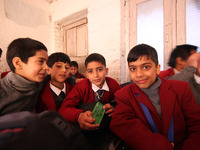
(19, 90)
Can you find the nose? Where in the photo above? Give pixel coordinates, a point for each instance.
(45, 66)
(139, 72)
(64, 69)
(95, 74)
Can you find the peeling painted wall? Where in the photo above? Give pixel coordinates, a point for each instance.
(23, 18)
(24, 14)
(103, 28)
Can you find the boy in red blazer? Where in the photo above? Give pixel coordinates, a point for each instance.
(74, 74)
(85, 92)
(155, 113)
(74, 70)
(57, 88)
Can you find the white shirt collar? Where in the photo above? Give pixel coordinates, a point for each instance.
(57, 90)
(175, 70)
(104, 87)
(197, 78)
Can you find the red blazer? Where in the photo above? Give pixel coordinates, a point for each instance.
(82, 93)
(47, 101)
(78, 75)
(166, 73)
(130, 124)
(3, 74)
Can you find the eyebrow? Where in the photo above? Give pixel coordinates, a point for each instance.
(142, 64)
(95, 68)
(42, 58)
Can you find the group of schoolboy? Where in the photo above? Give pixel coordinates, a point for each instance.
(151, 113)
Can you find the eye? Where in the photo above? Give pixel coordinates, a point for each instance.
(146, 67)
(58, 66)
(41, 62)
(100, 69)
(89, 71)
(132, 69)
(67, 68)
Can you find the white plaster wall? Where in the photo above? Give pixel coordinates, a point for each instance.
(10, 30)
(103, 27)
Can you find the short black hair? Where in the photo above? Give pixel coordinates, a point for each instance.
(23, 48)
(142, 50)
(95, 57)
(182, 51)
(58, 57)
(74, 63)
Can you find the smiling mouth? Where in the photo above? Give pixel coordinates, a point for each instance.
(42, 74)
(97, 80)
(141, 81)
(62, 75)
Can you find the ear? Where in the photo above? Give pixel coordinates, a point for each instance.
(17, 62)
(106, 71)
(48, 70)
(178, 60)
(158, 69)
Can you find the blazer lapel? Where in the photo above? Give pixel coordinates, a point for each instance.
(48, 98)
(167, 100)
(143, 98)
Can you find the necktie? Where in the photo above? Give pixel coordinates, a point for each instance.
(100, 94)
(62, 95)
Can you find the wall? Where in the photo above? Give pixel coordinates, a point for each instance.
(23, 18)
(103, 28)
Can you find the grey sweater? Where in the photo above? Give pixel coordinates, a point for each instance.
(187, 74)
(18, 94)
(153, 93)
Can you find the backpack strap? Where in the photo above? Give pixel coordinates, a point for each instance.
(153, 126)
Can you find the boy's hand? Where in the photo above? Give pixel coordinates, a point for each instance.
(194, 60)
(109, 109)
(173, 144)
(86, 121)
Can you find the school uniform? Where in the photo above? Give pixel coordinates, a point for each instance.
(49, 97)
(83, 93)
(130, 123)
(78, 75)
(167, 73)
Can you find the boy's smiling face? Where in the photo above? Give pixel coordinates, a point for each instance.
(143, 72)
(35, 68)
(59, 72)
(96, 72)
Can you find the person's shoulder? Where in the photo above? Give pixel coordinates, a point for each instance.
(166, 73)
(83, 83)
(175, 84)
(112, 83)
(127, 90)
(80, 75)
(111, 80)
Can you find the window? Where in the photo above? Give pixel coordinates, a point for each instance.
(75, 38)
(192, 22)
(150, 26)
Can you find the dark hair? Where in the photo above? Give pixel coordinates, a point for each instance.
(74, 63)
(57, 57)
(1, 51)
(95, 57)
(182, 51)
(143, 50)
(23, 48)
